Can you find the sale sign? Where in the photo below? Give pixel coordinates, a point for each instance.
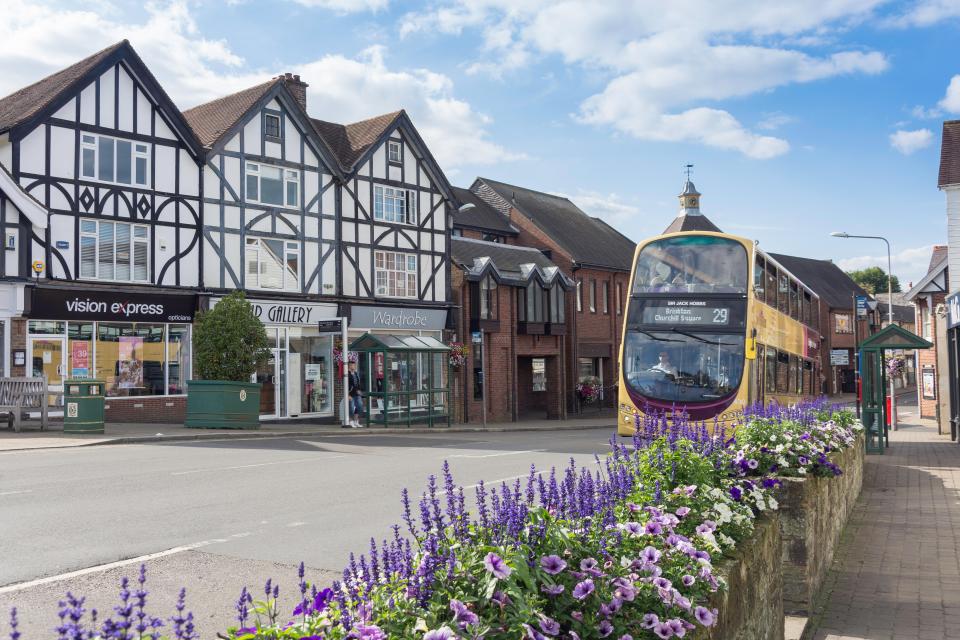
(80, 358)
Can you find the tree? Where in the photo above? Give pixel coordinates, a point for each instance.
(874, 280)
(229, 341)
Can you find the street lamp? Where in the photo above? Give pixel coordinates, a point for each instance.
(844, 234)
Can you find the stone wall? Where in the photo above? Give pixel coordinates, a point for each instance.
(813, 513)
(751, 608)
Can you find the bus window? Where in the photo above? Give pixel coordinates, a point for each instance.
(770, 291)
(807, 301)
(770, 369)
(783, 375)
(758, 367)
(686, 367)
(783, 293)
(694, 264)
(758, 277)
(794, 300)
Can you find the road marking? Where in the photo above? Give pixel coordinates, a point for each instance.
(296, 524)
(258, 464)
(13, 493)
(497, 455)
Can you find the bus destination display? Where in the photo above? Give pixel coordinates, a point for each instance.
(686, 312)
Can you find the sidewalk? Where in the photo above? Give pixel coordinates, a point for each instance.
(896, 574)
(118, 433)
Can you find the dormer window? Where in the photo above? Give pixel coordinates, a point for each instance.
(271, 125)
(394, 151)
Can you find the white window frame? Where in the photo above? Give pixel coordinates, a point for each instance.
(408, 203)
(138, 151)
(143, 240)
(394, 145)
(289, 247)
(580, 295)
(287, 176)
(386, 274)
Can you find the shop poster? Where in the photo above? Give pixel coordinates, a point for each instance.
(130, 363)
(80, 358)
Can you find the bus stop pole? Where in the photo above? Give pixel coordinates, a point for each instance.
(346, 373)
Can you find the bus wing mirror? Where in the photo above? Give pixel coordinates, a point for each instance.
(750, 351)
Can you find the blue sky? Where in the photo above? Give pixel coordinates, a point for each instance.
(802, 117)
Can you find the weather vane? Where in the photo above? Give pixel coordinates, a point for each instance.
(689, 167)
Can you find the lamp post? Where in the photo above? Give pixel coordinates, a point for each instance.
(843, 234)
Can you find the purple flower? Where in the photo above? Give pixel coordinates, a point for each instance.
(736, 493)
(650, 554)
(553, 564)
(501, 598)
(462, 615)
(443, 633)
(604, 628)
(552, 589)
(367, 632)
(588, 564)
(532, 634)
(677, 627)
(549, 626)
(663, 630)
(682, 511)
(496, 565)
(803, 460)
(704, 616)
(753, 464)
(662, 583)
(688, 580)
(650, 620)
(653, 528)
(583, 589)
(633, 528)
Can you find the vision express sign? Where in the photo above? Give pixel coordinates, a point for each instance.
(62, 304)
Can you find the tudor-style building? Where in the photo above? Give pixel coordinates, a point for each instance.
(270, 228)
(100, 201)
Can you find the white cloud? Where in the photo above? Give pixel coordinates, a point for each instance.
(908, 264)
(907, 142)
(37, 40)
(608, 206)
(773, 121)
(346, 6)
(925, 13)
(669, 63)
(951, 100)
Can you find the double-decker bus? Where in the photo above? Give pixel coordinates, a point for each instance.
(713, 325)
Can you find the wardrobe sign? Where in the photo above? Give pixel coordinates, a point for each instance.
(398, 318)
(74, 304)
(291, 313)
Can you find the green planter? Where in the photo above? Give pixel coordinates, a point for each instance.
(218, 404)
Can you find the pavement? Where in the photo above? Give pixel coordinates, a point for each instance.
(896, 574)
(216, 515)
(31, 437)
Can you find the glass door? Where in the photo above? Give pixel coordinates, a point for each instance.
(48, 359)
(266, 375)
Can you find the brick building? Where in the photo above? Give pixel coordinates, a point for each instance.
(928, 297)
(514, 303)
(593, 255)
(837, 316)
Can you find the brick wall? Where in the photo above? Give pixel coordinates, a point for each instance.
(156, 409)
(929, 357)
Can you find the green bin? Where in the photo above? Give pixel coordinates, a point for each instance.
(83, 406)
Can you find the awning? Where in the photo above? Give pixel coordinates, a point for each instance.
(390, 342)
(894, 337)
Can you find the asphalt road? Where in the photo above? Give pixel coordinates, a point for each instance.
(214, 516)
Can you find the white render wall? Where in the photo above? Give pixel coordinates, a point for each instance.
(953, 235)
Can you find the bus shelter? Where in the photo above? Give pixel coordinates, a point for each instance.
(406, 379)
(873, 380)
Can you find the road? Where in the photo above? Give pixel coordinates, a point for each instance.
(214, 516)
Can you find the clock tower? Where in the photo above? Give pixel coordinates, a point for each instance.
(689, 200)
(690, 217)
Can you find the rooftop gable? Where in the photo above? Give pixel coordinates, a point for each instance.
(950, 154)
(481, 216)
(823, 277)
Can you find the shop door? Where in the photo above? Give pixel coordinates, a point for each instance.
(272, 376)
(48, 358)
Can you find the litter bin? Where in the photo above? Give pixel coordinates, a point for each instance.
(83, 406)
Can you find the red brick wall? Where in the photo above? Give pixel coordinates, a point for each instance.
(928, 357)
(156, 409)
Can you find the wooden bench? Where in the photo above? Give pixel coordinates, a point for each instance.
(23, 394)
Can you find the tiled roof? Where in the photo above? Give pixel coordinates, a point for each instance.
(950, 154)
(685, 222)
(939, 255)
(349, 142)
(481, 216)
(578, 234)
(507, 258)
(212, 119)
(827, 280)
(21, 105)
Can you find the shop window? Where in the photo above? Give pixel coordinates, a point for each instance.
(273, 264)
(539, 367)
(114, 251)
(310, 371)
(178, 358)
(394, 205)
(395, 274)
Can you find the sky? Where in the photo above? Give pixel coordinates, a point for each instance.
(801, 117)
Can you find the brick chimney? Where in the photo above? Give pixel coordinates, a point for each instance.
(296, 87)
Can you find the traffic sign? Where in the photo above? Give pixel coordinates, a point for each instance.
(861, 305)
(839, 357)
(476, 337)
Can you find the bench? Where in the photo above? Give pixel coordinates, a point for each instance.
(23, 394)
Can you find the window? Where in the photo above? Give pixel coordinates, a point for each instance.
(926, 326)
(114, 251)
(794, 300)
(113, 160)
(759, 267)
(535, 303)
(394, 151)
(538, 367)
(488, 298)
(394, 205)
(606, 297)
(557, 305)
(271, 125)
(783, 293)
(807, 310)
(770, 289)
(580, 295)
(395, 274)
(696, 264)
(456, 233)
(273, 264)
(770, 370)
(272, 185)
(619, 298)
(492, 237)
(842, 323)
(793, 369)
(783, 376)
(593, 296)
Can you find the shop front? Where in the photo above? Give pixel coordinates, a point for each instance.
(298, 379)
(137, 342)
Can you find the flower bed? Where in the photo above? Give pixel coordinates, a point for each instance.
(626, 548)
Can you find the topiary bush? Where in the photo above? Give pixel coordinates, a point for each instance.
(229, 341)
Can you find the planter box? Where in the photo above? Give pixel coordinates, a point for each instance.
(813, 513)
(216, 404)
(752, 606)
